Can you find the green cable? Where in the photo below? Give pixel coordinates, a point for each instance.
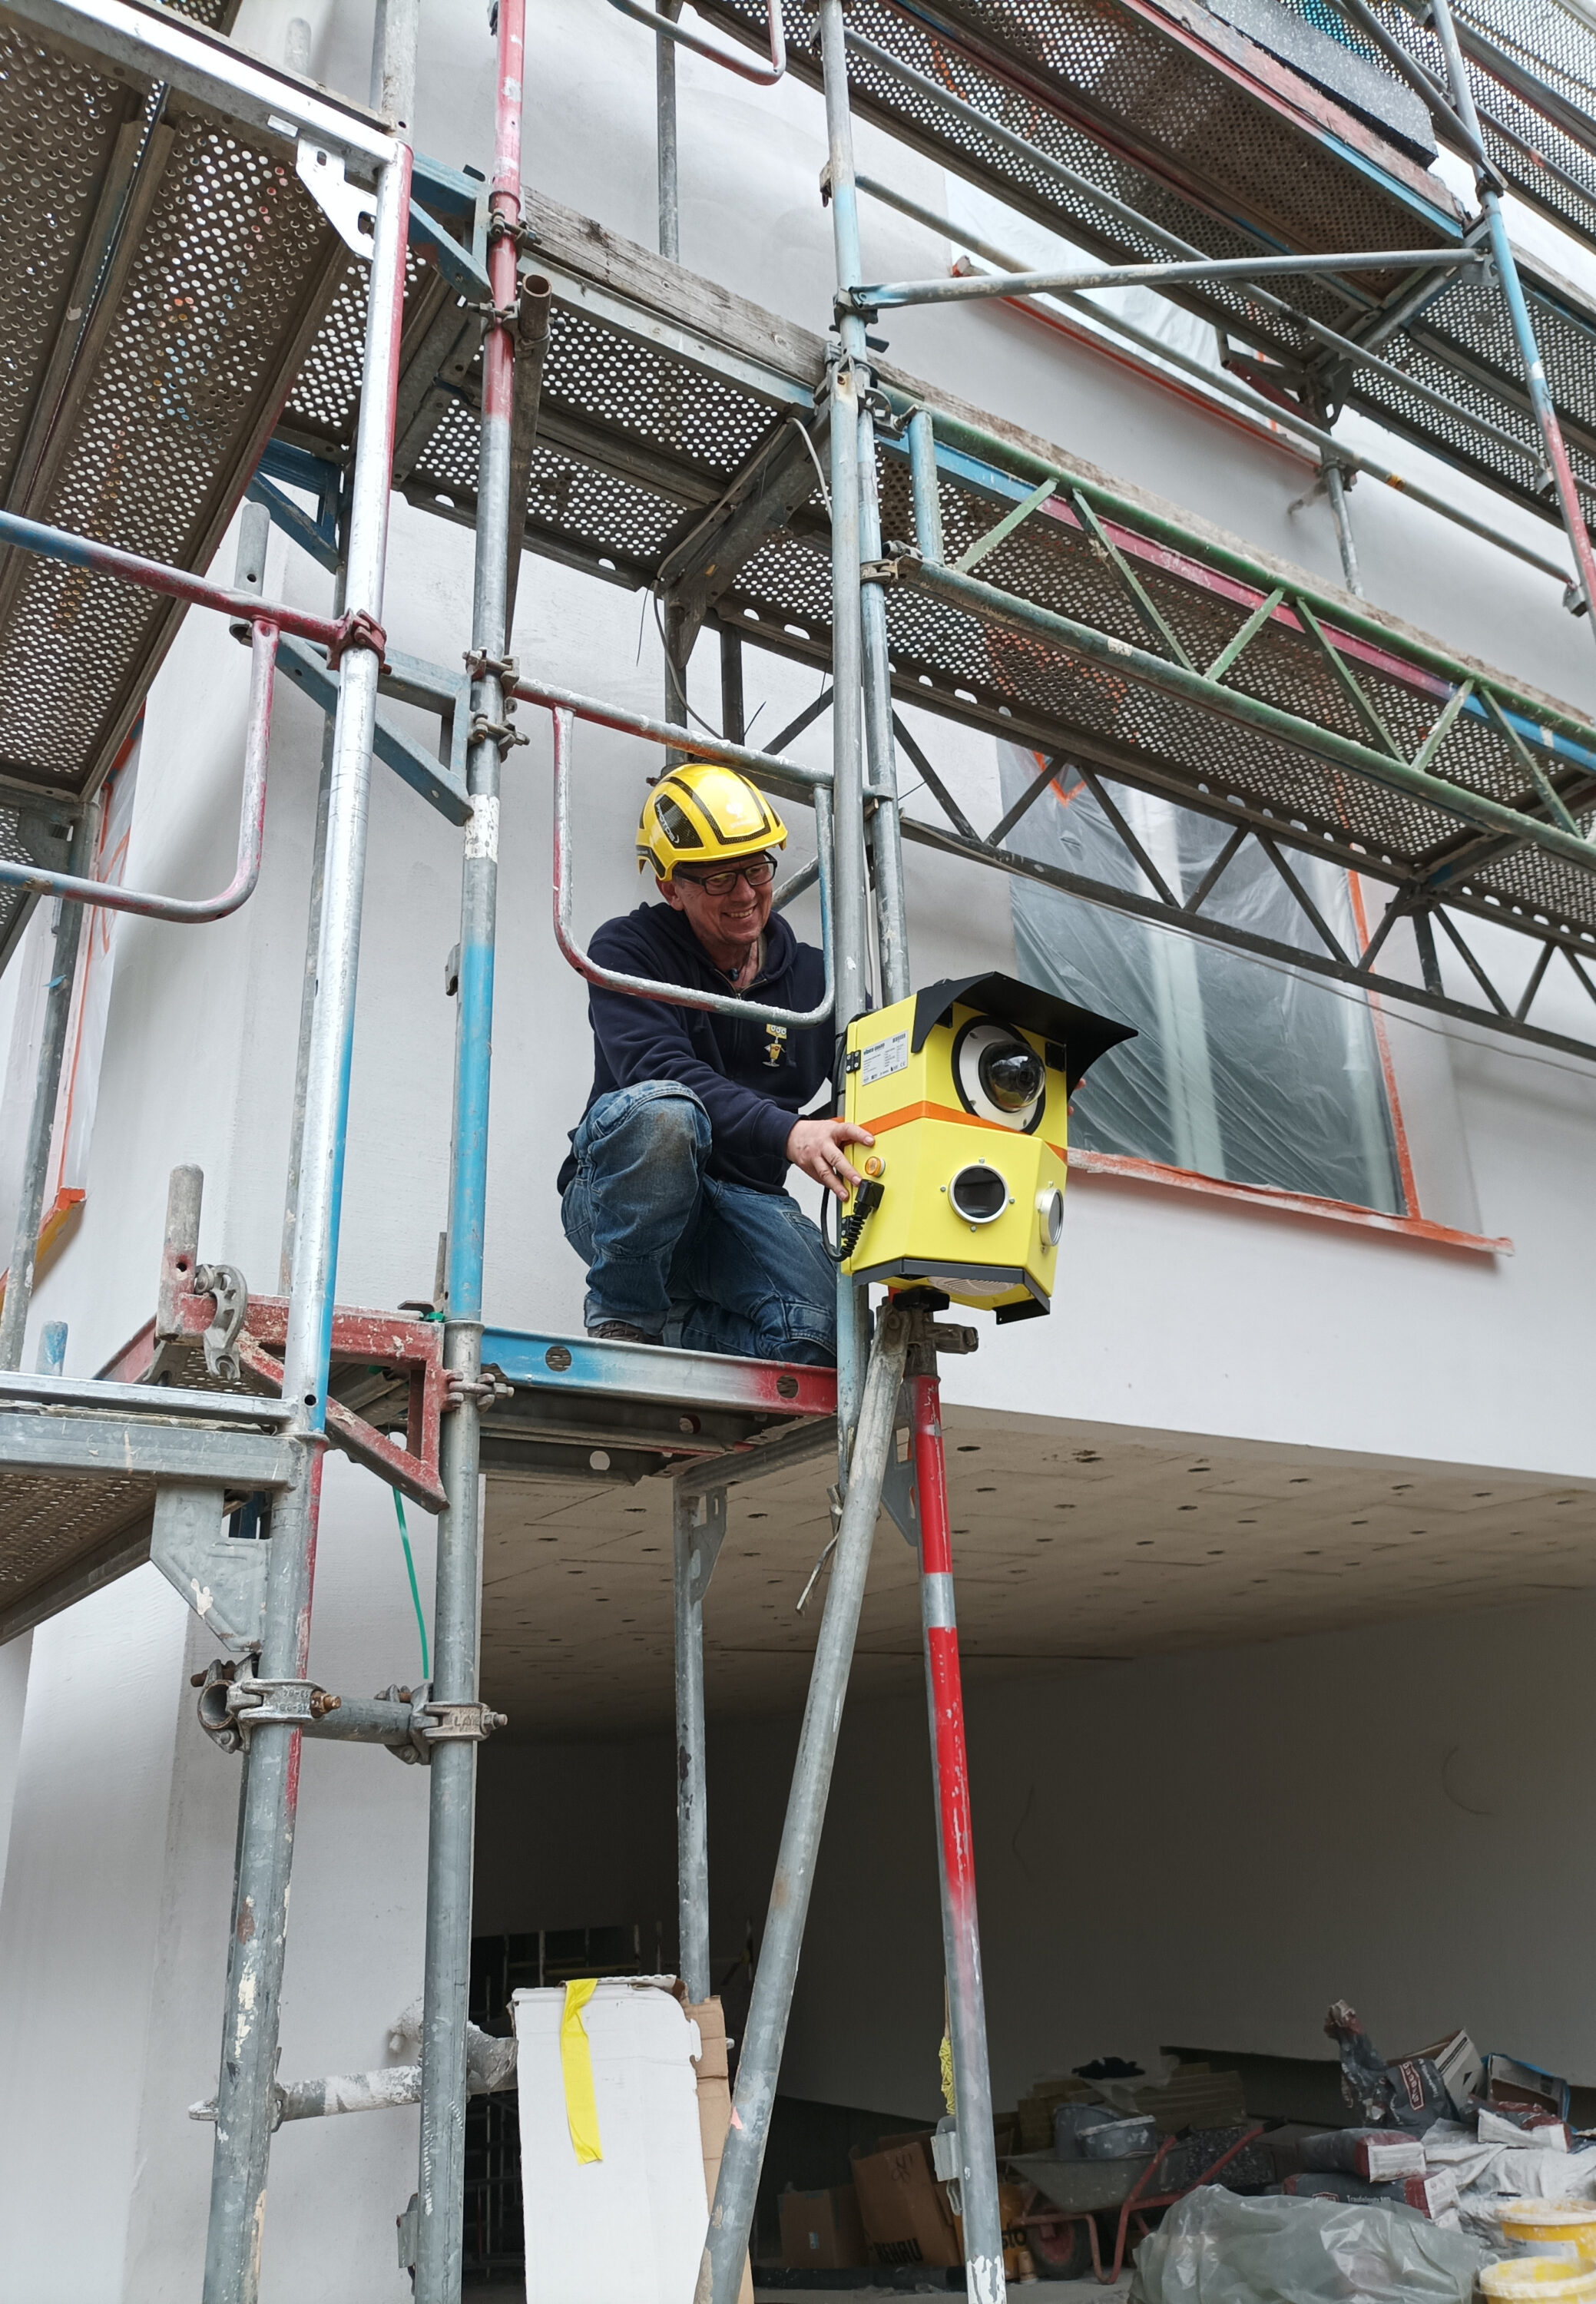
(415, 1592)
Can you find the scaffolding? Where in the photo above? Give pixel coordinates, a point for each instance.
(386, 323)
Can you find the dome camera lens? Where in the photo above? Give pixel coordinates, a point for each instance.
(1013, 1075)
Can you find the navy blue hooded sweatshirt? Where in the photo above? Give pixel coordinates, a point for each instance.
(751, 1078)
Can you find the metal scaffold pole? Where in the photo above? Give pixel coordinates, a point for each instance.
(867, 604)
(982, 2220)
(67, 934)
(699, 1526)
(458, 1719)
(269, 1795)
(759, 2065)
(1558, 467)
(956, 1847)
(850, 927)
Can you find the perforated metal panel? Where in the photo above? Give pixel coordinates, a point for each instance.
(135, 414)
(634, 442)
(1176, 133)
(52, 1528)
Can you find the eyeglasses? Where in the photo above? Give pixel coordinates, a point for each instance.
(759, 871)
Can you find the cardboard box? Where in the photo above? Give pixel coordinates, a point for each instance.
(1512, 2087)
(1458, 2062)
(821, 2231)
(714, 2105)
(903, 2207)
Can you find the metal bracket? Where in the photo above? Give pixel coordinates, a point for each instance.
(708, 1534)
(228, 1285)
(232, 1702)
(222, 1577)
(254, 1703)
(409, 2226)
(497, 732)
(349, 209)
(465, 1724)
(416, 1750)
(900, 1493)
(490, 1386)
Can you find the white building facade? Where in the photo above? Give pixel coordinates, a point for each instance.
(1274, 1539)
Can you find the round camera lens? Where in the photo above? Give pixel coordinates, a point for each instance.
(1012, 1074)
(978, 1194)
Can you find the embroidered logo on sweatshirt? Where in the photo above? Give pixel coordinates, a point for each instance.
(776, 1046)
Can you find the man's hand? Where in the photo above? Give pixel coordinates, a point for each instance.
(816, 1146)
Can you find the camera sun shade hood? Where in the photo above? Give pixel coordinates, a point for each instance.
(1076, 1037)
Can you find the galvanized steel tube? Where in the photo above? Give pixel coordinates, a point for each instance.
(758, 2066)
(850, 929)
(693, 1820)
(1523, 327)
(440, 2224)
(271, 1780)
(67, 933)
(191, 912)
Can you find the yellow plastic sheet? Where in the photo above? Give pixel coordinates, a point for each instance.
(577, 2067)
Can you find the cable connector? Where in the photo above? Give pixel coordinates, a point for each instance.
(867, 1199)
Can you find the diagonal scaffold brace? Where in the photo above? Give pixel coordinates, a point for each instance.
(904, 1346)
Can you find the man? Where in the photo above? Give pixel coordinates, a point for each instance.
(673, 1193)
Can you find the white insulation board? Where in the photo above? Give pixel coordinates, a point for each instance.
(628, 2228)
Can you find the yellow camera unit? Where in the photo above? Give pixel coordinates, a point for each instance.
(966, 1088)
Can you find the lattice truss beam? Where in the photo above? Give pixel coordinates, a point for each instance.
(681, 437)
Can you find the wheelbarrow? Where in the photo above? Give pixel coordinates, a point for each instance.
(1078, 2191)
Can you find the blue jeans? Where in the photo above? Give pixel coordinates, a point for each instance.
(712, 1266)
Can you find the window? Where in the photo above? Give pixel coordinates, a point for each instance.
(1242, 1071)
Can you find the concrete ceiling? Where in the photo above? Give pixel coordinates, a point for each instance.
(1071, 1541)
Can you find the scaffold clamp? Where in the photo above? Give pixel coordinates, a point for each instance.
(233, 1703)
(461, 1723)
(227, 1285)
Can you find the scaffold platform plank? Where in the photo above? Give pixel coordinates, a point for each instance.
(80, 1462)
(667, 457)
(1127, 124)
(163, 272)
(79, 1465)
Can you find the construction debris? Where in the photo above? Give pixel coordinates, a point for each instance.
(1214, 2248)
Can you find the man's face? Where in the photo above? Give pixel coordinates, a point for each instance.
(732, 917)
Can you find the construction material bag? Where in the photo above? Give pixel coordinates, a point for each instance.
(1215, 2247)
(1409, 2094)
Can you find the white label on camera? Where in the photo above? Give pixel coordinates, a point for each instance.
(884, 1058)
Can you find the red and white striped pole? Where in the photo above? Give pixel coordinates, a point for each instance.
(961, 1927)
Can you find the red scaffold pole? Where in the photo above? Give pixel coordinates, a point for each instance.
(961, 1926)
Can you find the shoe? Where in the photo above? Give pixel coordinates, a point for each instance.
(622, 1332)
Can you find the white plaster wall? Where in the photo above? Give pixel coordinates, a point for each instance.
(1199, 1849)
(84, 1881)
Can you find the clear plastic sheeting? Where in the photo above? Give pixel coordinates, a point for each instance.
(1216, 2247)
(1240, 1070)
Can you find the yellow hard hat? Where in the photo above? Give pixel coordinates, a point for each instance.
(701, 814)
